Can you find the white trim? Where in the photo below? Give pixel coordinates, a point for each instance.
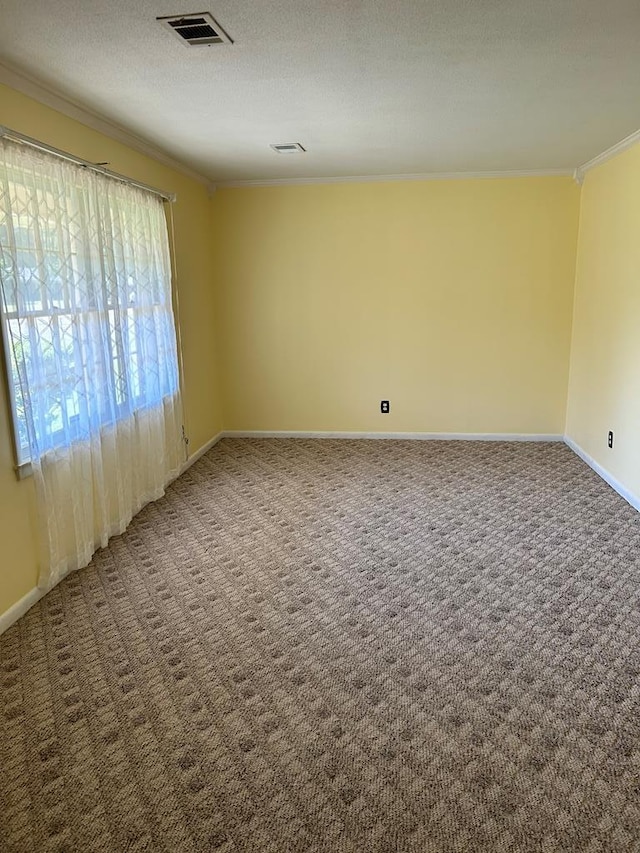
(23, 469)
(10, 616)
(618, 148)
(201, 451)
(372, 179)
(616, 485)
(42, 93)
(406, 436)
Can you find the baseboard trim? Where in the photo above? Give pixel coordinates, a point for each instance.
(10, 616)
(405, 436)
(201, 451)
(617, 486)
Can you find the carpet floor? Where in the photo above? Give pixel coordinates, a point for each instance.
(338, 647)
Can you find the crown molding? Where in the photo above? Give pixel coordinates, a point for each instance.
(42, 93)
(426, 176)
(598, 160)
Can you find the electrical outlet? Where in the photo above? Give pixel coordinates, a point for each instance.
(384, 407)
(610, 440)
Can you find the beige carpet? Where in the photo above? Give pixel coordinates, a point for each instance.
(339, 646)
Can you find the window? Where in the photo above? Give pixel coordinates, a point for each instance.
(87, 319)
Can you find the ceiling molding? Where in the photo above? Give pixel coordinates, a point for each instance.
(618, 148)
(42, 93)
(426, 176)
(33, 88)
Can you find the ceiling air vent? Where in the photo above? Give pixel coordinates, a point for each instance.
(288, 148)
(199, 28)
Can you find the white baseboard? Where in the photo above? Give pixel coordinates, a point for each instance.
(201, 451)
(18, 609)
(629, 497)
(407, 436)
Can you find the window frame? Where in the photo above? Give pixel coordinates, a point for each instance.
(22, 466)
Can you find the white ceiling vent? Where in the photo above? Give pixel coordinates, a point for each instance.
(288, 148)
(199, 28)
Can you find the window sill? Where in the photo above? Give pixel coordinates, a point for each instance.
(23, 471)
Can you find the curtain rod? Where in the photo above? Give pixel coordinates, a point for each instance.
(15, 136)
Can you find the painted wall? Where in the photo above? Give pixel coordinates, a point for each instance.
(452, 299)
(192, 211)
(604, 388)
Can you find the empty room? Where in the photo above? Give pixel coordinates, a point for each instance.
(320, 427)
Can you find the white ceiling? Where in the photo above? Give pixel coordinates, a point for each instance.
(368, 87)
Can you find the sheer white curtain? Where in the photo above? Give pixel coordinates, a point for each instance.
(91, 346)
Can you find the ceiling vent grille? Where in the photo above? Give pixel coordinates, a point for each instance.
(199, 28)
(288, 148)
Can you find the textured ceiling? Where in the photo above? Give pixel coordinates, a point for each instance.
(368, 87)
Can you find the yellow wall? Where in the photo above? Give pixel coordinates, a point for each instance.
(604, 389)
(452, 299)
(18, 570)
